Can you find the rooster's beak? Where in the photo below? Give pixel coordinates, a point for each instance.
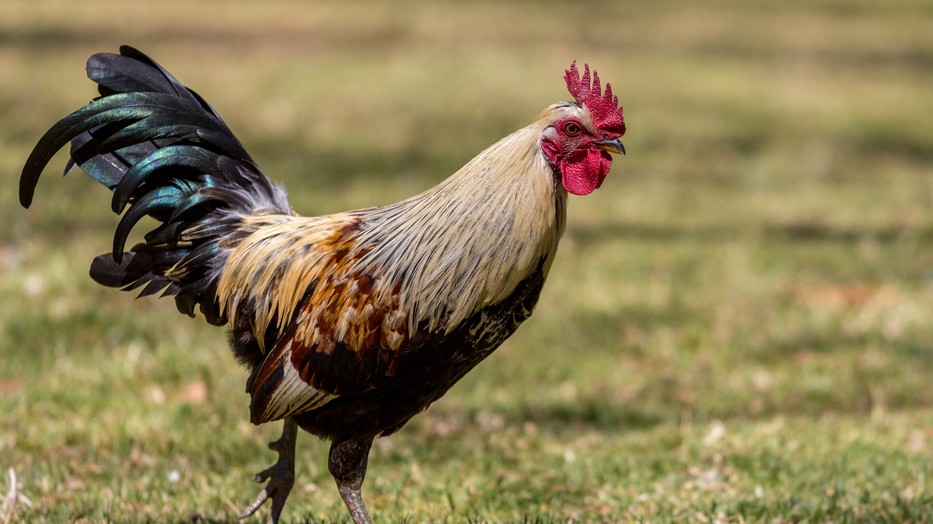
(611, 146)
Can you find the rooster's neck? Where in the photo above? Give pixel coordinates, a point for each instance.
(469, 241)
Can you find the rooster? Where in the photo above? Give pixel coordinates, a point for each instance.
(352, 323)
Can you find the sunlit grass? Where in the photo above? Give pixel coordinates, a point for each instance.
(737, 326)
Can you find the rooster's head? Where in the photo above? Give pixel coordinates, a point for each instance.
(580, 135)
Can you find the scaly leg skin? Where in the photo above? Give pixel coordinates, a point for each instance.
(281, 475)
(347, 464)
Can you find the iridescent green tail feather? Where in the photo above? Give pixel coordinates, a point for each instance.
(165, 153)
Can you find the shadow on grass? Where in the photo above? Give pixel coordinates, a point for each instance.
(799, 231)
(591, 413)
(594, 414)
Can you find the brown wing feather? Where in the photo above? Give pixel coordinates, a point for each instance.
(278, 392)
(343, 340)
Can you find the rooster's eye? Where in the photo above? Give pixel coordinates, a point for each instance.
(571, 129)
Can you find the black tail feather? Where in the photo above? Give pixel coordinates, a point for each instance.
(165, 153)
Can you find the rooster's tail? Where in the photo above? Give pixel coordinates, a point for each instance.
(164, 151)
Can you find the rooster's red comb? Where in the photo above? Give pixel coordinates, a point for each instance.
(604, 108)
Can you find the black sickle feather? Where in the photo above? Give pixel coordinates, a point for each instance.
(165, 153)
(127, 73)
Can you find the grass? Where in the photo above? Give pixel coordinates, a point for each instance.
(737, 327)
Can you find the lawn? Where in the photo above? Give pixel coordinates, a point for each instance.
(737, 327)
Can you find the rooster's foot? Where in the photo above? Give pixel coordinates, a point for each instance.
(281, 475)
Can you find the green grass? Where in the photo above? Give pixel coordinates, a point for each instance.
(737, 327)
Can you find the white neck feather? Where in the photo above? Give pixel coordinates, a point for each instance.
(454, 256)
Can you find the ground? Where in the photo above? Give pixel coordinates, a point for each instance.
(736, 328)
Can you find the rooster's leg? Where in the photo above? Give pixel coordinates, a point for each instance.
(347, 464)
(281, 475)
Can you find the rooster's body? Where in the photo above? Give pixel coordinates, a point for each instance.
(351, 323)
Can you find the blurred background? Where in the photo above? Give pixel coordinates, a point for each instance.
(737, 326)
